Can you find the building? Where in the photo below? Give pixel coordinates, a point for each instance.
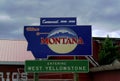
(13, 54)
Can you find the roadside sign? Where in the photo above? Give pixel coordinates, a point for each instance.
(37, 66)
(59, 36)
(46, 41)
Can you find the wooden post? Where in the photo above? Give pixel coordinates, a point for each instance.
(75, 74)
(36, 75)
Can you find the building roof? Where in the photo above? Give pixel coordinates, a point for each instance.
(113, 66)
(14, 51)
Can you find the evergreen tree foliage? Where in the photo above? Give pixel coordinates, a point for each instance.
(108, 52)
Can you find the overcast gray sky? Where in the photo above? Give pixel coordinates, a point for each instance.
(103, 15)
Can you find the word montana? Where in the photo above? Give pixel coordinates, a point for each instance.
(62, 40)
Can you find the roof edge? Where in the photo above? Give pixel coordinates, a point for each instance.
(12, 63)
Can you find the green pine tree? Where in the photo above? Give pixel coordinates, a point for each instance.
(108, 52)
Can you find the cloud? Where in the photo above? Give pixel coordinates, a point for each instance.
(103, 15)
(114, 34)
(5, 17)
(97, 33)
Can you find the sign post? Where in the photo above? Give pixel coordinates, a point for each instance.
(75, 74)
(36, 75)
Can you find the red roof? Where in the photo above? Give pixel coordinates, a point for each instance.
(14, 51)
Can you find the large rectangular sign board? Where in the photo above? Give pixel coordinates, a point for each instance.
(59, 41)
(59, 37)
(37, 66)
